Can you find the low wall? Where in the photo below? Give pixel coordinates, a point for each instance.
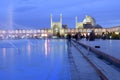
(110, 59)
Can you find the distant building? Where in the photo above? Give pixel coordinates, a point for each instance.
(56, 26)
(58, 29)
(89, 20)
(64, 26)
(79, 25)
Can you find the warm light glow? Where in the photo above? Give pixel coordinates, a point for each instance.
(35, 34)
(62, 31)
(44, 35)
(72, 30)
(116, 32)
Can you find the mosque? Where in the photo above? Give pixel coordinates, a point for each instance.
(86, 26)
(57, 28)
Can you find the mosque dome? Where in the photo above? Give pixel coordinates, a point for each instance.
(89, 20)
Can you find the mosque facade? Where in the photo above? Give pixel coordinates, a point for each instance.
(86, 26)
(57, 28)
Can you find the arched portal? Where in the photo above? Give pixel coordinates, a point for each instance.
(56, 30)
(56, 26)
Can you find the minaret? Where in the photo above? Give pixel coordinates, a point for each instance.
(76, 20)
(51, 20)
(61, 20)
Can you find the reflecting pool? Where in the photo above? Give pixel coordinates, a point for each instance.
(34, 59)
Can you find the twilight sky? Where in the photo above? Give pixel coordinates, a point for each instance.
(36, 13)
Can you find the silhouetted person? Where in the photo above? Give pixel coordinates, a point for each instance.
(69, 39)
(87, 37)
(103, 36)
(77, 36)
(92, 36)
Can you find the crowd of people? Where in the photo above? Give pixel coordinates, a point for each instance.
(78, 36)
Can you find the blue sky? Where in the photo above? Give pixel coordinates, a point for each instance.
(36, 13)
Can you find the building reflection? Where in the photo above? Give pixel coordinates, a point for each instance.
(12, 52)
(47, 47)
(29, 49)
(4, 52)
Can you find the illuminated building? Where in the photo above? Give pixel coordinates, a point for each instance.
(57, 28)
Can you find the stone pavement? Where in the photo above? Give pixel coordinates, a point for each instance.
(80, 68)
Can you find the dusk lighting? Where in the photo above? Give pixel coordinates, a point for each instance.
(59, 40)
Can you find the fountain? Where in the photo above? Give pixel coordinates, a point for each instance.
(10, 18)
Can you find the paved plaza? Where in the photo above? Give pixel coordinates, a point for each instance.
(110, 47)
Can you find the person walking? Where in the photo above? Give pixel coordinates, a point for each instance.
(77, 37)
(92, 36)
(69, 39)
(87, 37)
